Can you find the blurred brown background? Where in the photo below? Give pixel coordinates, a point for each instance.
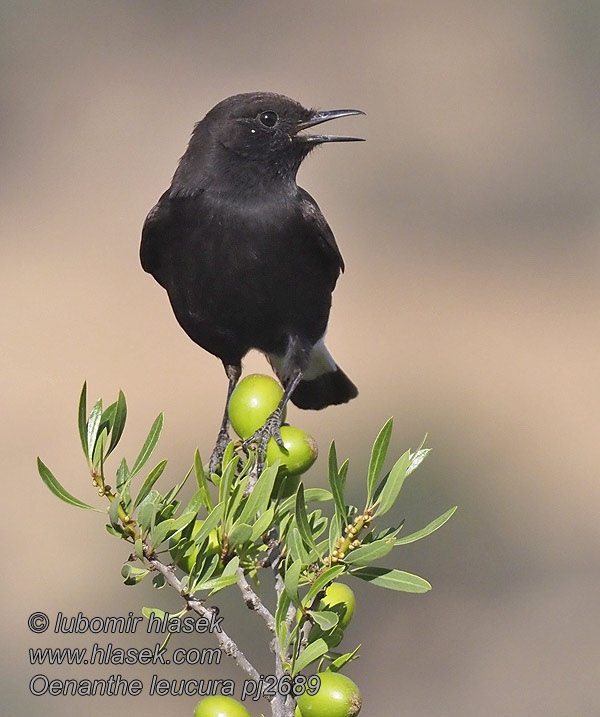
(470, 309)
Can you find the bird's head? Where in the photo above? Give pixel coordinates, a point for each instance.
(255, 137)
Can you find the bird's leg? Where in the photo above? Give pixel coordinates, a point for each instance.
(272, 425)
(233, 372)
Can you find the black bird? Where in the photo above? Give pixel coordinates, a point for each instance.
(246, 256)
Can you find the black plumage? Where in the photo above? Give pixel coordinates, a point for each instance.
(245, 255)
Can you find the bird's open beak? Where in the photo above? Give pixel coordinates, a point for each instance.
(325, 116)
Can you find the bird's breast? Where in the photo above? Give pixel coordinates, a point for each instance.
(251, 269)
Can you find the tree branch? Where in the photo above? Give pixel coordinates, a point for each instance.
(253, 602)
(282, 705)
(226, 644)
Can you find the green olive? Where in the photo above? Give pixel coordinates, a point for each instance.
(253, 400)
(300, 451)
(219, 706)
(339, 598)
(338, 696)
(332, 638)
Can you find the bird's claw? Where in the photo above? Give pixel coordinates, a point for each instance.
(277, 436)
(223, 440)
(260, 439)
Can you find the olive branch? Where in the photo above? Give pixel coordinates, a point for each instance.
(222, 536)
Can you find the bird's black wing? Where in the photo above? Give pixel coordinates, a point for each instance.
(314, 217)
(156, 234)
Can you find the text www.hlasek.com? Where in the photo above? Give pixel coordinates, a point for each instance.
(110, 655)
(115, 685)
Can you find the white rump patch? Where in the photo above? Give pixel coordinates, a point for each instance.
(319, 363)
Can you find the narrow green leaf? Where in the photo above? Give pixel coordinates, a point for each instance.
(310, 654)
(82, 419)
(58, 490)
(296, 546)
(179, 524)
(227, 478)
(343, 473)
(108, 415)
(392, 579)
(325, 619)
(201, 480)
(203, 569)
(153, 476)
(117, 533)
(332, 464)
(311, 495)
(123, 484)
(428, 529)
(216, 584)
(132, 575)
(195, 503)
(338, 497)
(302, 520)
(227, 456)
(93, 425)
(166, 511)
(240, 535)
(210, 523)
(262, 524)
(158, 582)
(146, 515)
(280, 618)
(113, 512)
(199, 470)
(368, 553)
(148, 612)
(416, 459)
(318, 525)
(335, 531)
(390, 532)
(378, 455)
(232, 566)
(327, 576)
(392, 485)
(342, 660)
(149, 444)
(170, 495)
(337, 485)
(236, 498)
(291, 580)
(139, 548)
(284, 525)
(98, 452)
(118, 423)
(170, 528)
(258, 500)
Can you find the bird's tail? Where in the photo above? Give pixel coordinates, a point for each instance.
(324, 383)
(326, 390)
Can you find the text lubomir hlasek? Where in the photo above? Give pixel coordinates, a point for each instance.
(162, 623)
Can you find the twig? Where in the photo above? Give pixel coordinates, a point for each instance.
(252, 477)
(226, 644)
(253, 602)
(282, 705)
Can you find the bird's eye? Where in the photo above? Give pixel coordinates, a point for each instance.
(268, 118)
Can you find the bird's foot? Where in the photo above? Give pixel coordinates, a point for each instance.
(259, 440)
(216, 458)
